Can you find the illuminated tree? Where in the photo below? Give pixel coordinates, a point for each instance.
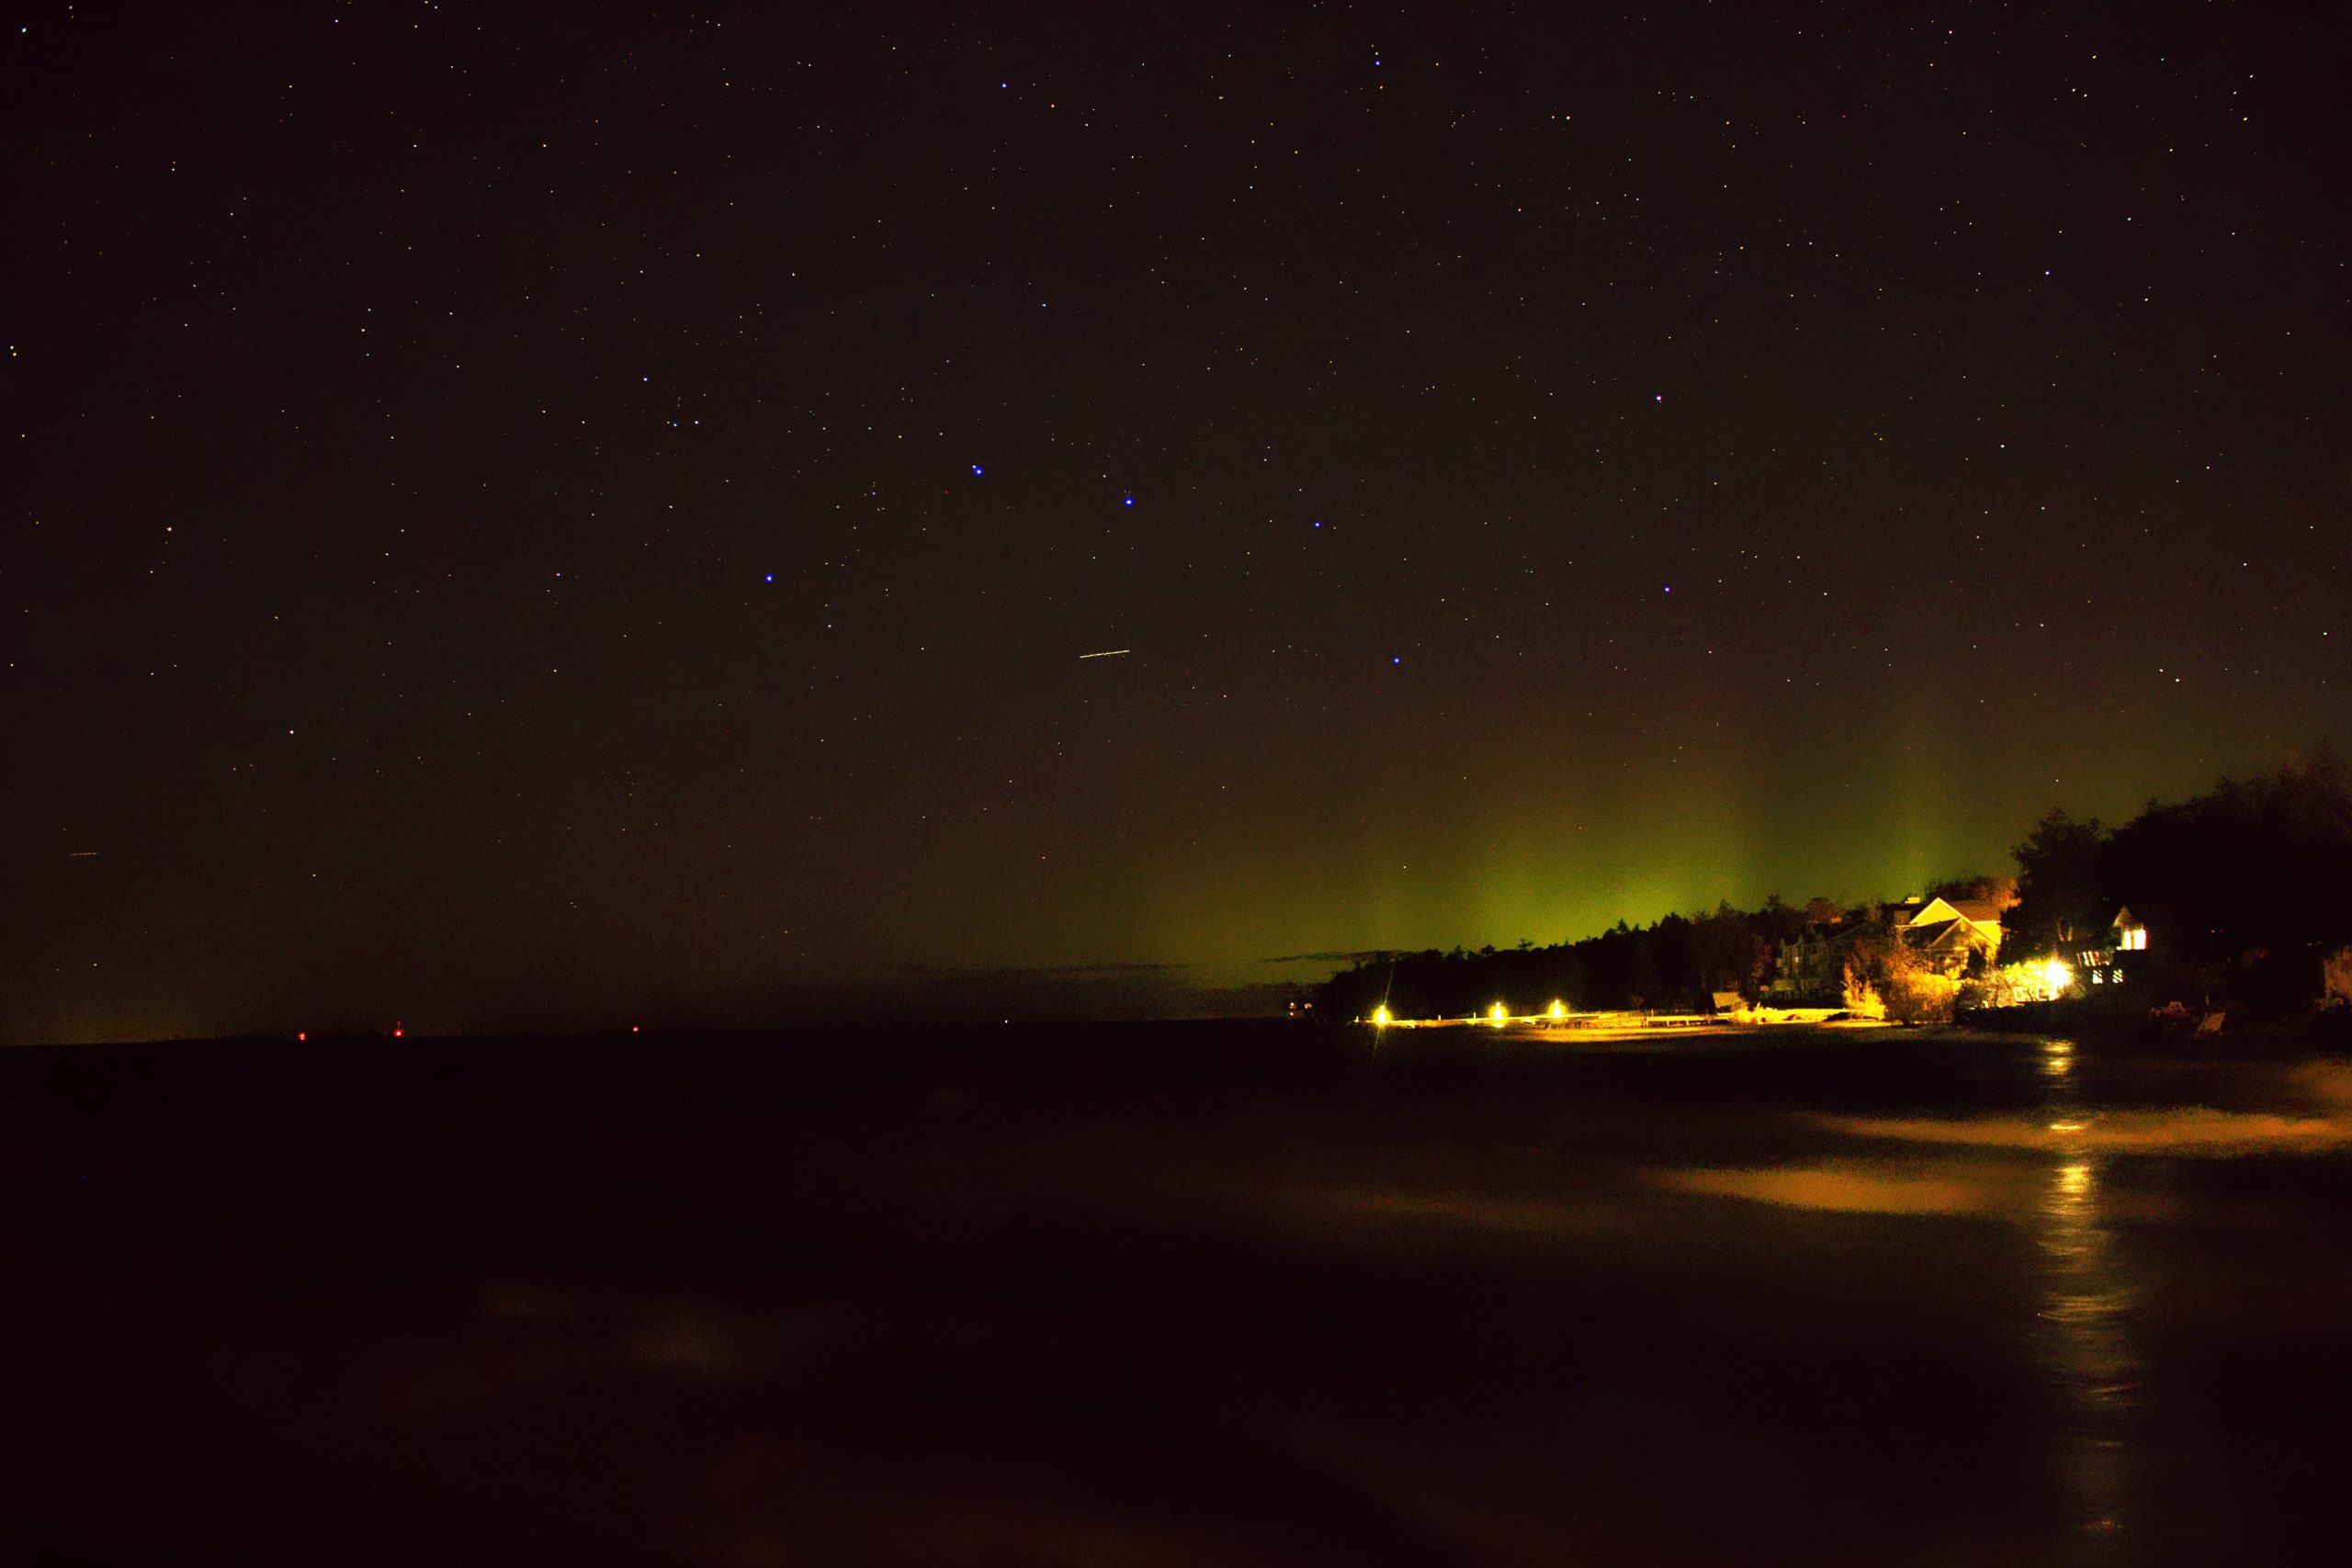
(2335, 977)
(1886, 977)
(1862, 998)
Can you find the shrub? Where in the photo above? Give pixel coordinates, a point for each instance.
(1921, 998)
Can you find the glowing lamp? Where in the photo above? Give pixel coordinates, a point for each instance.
(1558, 1012)
(1380, 1015)
(1496, 1013)
(2058, 975)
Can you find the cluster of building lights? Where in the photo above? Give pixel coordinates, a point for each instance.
(2051, 977)
(1496, 1015)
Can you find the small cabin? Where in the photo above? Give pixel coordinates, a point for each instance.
(2130, 935)
(2108, 964)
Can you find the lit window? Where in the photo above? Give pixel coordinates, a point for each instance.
(2136, 938)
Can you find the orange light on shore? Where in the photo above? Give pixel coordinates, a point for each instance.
(1496, 1012)
(1558, 1010)
(1380, 1015)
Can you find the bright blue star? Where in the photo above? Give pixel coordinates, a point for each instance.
(975, 470)
(769, 577)
(1130, 500)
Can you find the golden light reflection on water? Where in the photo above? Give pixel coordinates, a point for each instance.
(1844, 1187)
(2066, 1128)
(2193, 1131)
(2081, 1336)
(2083, 1339)
(2084, 1334)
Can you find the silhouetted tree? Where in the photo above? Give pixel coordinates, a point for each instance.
(1999, 890)
(2243, 886)
(1730, 951)
(2063, 884)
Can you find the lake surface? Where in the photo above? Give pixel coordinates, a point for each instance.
(1175, 1294)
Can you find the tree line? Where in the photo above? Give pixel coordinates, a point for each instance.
(2246, 890)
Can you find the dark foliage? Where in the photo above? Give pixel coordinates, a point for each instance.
(2243, 888)
(1674, 965)
(2063, 895)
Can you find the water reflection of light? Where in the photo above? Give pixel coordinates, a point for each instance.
(2057, 1058)
(2084, 1336)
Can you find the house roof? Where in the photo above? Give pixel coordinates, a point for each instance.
(1946, 933)
(1983, 911)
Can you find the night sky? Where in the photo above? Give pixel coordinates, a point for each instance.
(534, 517)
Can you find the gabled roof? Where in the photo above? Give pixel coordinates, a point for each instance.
(1946, 933)
(1980, 912)
(2124, 920)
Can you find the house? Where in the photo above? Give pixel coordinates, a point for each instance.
(1812, 966)
(1958, 937)
(2107, 964)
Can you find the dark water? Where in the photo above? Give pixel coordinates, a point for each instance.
(1193, 1294)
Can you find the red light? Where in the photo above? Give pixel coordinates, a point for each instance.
(398, 1032)
(632, 1029)
(301, 1034)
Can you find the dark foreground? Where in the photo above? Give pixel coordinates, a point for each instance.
(1182, 1295)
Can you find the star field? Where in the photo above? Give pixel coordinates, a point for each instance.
(568, 518)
